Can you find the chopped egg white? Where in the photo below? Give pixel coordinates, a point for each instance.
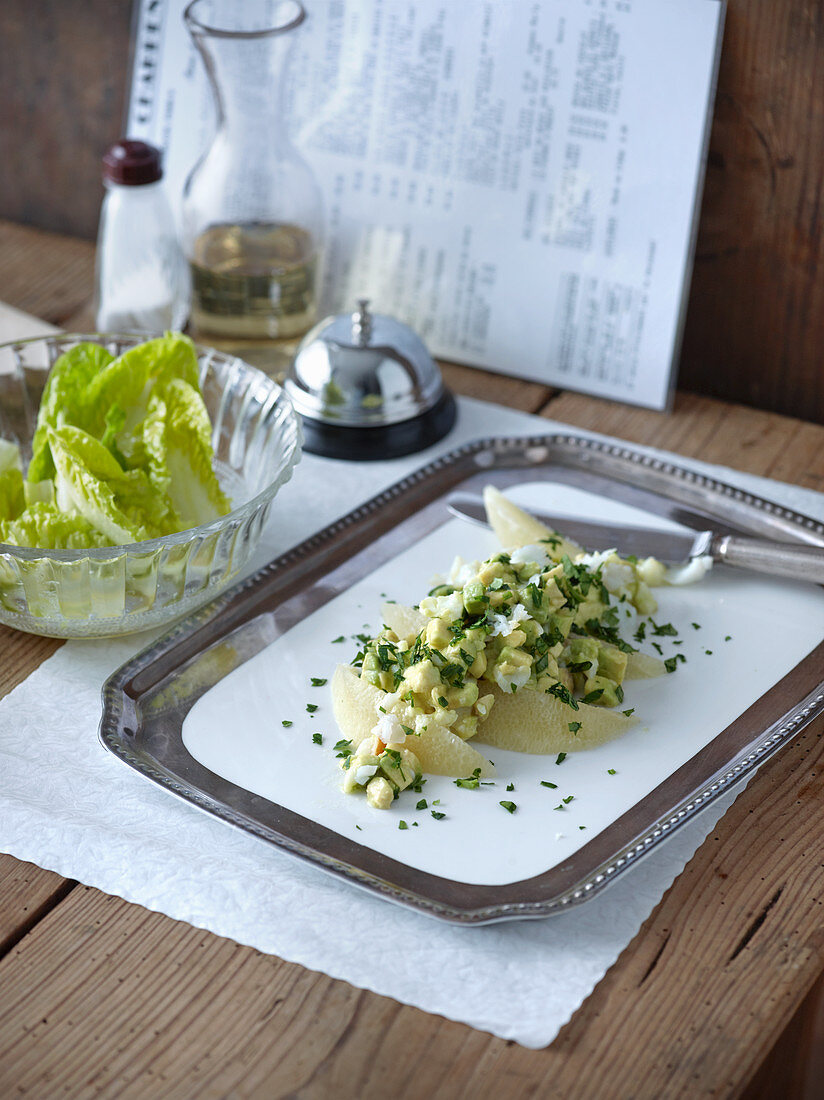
(534, 553)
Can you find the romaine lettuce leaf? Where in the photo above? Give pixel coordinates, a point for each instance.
(178, 441)
(43, 525)
(39, 492)
(64, 400)
(89, 480)
(122, 449)
(129, 380)
(12, 499)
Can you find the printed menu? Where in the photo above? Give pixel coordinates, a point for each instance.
(518, 180)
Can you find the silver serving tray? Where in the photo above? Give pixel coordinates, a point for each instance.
(146, 701)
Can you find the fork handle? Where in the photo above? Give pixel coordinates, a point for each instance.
(780, 559)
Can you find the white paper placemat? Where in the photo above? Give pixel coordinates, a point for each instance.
(69, 806)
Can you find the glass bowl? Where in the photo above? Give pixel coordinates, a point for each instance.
(120, 589)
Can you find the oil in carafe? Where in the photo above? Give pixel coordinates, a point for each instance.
(251, 283)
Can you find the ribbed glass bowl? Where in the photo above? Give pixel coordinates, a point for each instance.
(96, 593)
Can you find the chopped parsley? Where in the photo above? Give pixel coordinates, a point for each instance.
(422, 804)
(628, 713)
(728, 638)
(573, 727)
(561, 757)
(318, 681)
(593, 696)
(317, 738)
(611, 771)
(664, 630)
(671, 663)
(338, 639)
(438, 815)
(510, 786)
(311, 707)
(708, 652)
(566, 801)
(608, 634)
(510, 807)
(562, 693)
(546, 783)
(696, 626)
(402, 824)
(472, 782)
(287, 723)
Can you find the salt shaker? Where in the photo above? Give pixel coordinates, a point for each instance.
(142, 279)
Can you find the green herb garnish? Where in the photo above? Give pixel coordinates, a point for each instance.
(472, 782)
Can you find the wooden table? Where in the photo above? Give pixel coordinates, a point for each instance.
(101, 997)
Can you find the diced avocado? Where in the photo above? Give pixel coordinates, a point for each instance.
(380, 793)
(401, 767)
(608, 688)
(513, 657)
(612, 662)
(474, 598)
(643, 599)
(591, 608)
(463, 696)
(580, 650)
(560, 623)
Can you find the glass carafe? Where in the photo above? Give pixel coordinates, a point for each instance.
(252, 209)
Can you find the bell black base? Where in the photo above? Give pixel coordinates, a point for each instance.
(359, 444)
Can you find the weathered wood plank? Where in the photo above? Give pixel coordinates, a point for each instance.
(515, 393)
(21, 654)
(44, 274)
(26, 894)
(63, 88)
(795, 1066)
(752, 330)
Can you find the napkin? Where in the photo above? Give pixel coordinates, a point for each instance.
(71, 807)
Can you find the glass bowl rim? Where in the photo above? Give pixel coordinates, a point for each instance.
(149, 546)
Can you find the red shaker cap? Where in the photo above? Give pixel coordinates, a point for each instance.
(132, 162)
